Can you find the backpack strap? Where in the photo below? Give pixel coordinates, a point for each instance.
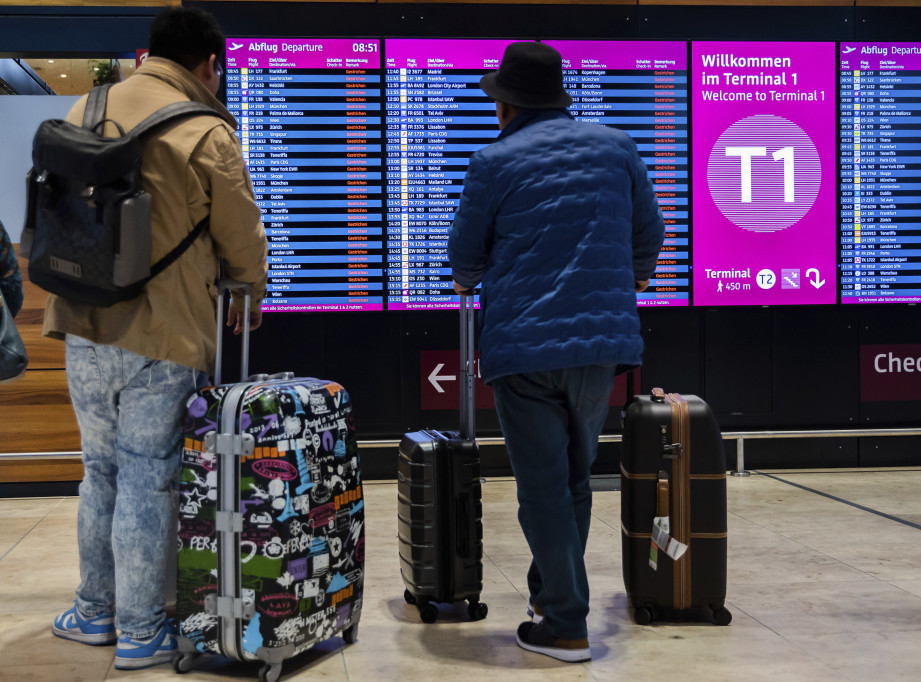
(186, 242)
(172, 112)
(167, 114)
(95, 110)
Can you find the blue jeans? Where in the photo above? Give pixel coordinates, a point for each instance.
(551, 422)
(129, 409)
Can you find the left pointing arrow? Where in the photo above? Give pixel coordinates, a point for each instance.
(435, 378)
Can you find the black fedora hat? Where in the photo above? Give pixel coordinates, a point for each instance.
(530, 76)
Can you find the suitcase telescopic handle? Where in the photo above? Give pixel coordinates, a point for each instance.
(223, 285)
(467, 369)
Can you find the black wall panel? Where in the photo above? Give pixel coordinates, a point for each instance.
(74, 31)
(793, 453)
(886, 23)
(814, 355)
(670, 22)
(890, 452)
(739, 360)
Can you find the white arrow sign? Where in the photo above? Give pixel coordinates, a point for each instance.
(434, 377)
(814, 282)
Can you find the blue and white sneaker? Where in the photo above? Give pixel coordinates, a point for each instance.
(132, 654)
(97, 630)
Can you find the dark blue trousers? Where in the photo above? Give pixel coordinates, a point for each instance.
(551, 422)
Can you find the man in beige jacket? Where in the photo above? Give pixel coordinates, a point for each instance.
(130, 367)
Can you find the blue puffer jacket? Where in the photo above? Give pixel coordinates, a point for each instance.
(556, 221)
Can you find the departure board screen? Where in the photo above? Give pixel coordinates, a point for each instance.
(880, 118)
(436, 118)
(309, 115)
(764, 196)
(641, 88)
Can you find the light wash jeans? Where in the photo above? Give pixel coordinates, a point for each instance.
(129, 409)
(551, 422)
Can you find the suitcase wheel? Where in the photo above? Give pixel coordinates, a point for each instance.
(643, 615)
(184, 663)
(722, 616)
(428, 613)
(477, 610)
(350, 634)
(269, 672)
(409, 598)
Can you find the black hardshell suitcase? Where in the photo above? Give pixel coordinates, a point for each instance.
(271, 519)
(439, 509)
(673, 465)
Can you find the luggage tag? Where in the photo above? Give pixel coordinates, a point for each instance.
(661, 527)
(662, 539)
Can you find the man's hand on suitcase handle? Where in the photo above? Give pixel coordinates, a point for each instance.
(235, 317)
(469, 291)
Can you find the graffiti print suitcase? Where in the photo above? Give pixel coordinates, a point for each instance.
(271, 521)
(673, 467)
(439, 508)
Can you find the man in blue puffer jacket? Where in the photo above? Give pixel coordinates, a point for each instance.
(559, 223)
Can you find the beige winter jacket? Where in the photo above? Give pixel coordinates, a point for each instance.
(191, 168)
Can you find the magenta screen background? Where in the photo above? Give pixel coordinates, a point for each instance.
(811, 242)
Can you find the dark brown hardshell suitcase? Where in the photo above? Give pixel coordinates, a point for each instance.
(673, 465)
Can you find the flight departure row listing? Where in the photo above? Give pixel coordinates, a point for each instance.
(641, 88)
(309, 115)
(880, 183)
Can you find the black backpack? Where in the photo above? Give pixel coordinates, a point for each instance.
(87, 232)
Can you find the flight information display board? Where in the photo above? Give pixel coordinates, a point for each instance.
(641, 88)
(309, 115)
(764, 196)
(436, 118)
(880, 118)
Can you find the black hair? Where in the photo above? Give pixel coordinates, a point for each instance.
(187, 35)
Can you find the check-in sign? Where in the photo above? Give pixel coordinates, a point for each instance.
(890, 372)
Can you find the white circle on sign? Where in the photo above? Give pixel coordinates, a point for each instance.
(765, 279)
